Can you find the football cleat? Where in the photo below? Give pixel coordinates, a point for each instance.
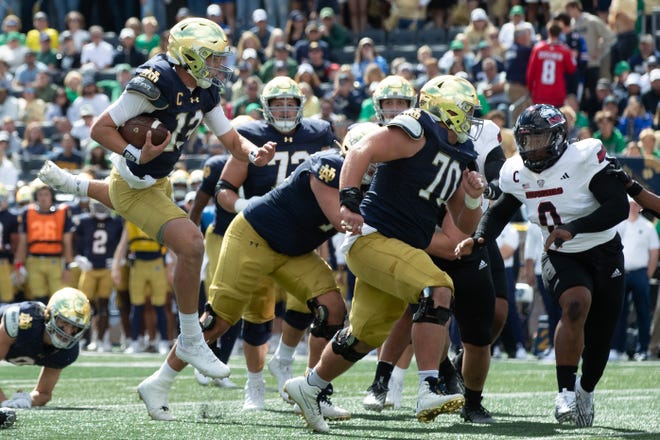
(329, 410)
(477, 414)
(376, 397)
(198, 354)
(57, 178)
(584, 406)
(7, 417)
(224, 383)
(307, 398)
(255, 395)
(68, 307)
(154, 396)
(395, 393)
(282, 372)
(565, 411)
(163, 347)
(201, 379)
(432, 400)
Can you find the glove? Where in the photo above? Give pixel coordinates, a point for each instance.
(7, 417)
(20, 399)
(492, 191)
(83, 263)
(19, 276)
(616, 169)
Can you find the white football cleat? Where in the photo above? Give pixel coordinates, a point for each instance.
(432, 400)
(584, 406)
(306, 396)
(154, 396)
(57, 178)
(255, 395)
(163, 347)
(329, 410)
(201, 379)
(198, 354)
(282, 372)
(376, 397)
(224, 383)
(565, 411)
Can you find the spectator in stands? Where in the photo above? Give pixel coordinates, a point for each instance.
(261, 27)
(277, 36)
(646, 50)
(312, 102)
(214, 13)
(516, 21)
(578, 46)
(333, 33)
(149, 38)
(44, 88)
(595, 104)
(485, 52)
(156, 9)
(126, 52)
(13, 53)
(162, 47)
(493, 86)
(581, 118)
(47, 55)
(346, 100)
(75, 25)
(608, 134)
(431, 70)
(306, 74)
(62, 126)
(318, 61)
(479, 28)
(251, 57)
(252, 87)
(40, 23)
(58, 105)
(8, 103)
(65, 154)
(358, 12)
(634, 119)
(5, 74)
(26, 73)
(651, 98)
(249, 40)
(15, 140)
(133, 23)
(81, 128)
(11, 23)
(31, 108)
(312, 35)
(8, 171)
(34, 143)
(68, 57)
(633, 84)
(282, 54)
(621, 18)
(294, 29)
(649, 143)
(98, 53)
(114, 87)
(92, 96)
(621, 72)
(366, 54)
(96, 157)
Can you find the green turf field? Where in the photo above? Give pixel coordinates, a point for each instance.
(96, 399)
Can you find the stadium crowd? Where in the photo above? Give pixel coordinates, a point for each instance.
(61, 69)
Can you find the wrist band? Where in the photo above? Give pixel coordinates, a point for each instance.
(351, 198)
(252, 156)
(132, 153)
(18, 265)
(471, 202)
(634, 189)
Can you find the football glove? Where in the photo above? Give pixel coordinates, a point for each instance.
(20, 399)
(616, 169)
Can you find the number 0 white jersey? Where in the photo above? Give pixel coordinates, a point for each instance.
(560, 194)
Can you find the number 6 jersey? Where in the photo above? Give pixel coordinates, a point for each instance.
(560, 194)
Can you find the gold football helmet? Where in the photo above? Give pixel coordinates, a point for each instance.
(200, 46)
(24, 195)
(179, 181)
(355, 135)
(285, 116)
(392, 87)
(195, 179)
(452, 101)
(67, 308)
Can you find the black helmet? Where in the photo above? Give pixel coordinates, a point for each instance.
(540, 133)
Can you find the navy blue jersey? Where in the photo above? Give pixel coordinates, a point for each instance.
(8, 226)
(406, 195)
(26, 322)
(212, 170)
(289, 218)
(97, 239)
(182, 113)
(310, 136)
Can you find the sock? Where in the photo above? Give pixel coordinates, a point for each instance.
(82, 185)
(284, 353)
(566, 377)
(423, 374)
(398, 373)
(254, 377)
(383, 373)
(166, 374)
(472, 397)
(189, 323)
(316, 380)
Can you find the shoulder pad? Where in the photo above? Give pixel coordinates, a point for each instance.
(11, 320)
(142, 86)
(409, 123)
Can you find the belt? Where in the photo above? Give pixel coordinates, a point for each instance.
(45, 255)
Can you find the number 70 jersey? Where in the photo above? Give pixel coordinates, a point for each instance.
(560, 194)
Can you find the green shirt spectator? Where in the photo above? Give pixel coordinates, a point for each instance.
(608, 134)
(333, 33)
(114, 87)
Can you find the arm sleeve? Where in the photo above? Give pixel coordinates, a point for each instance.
(217, 121)
(129, 105)
(496, 217)
(611, 194)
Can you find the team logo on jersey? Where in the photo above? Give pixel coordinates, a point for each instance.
(194, 99)
(24, 321)
(540, 183)
(327, 173)
(151, 75)
(288, 139)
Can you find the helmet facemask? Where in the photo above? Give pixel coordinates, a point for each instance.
(352, 138)
(68, 316)
(285, 115)
(393, 87)
(540, 149)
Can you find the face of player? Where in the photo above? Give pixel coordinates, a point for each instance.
(215, 64)
(393, 106)
(284, 109)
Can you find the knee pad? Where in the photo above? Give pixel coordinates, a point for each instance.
(298, 320)
(343, 344)
(257, 334)
(426, 312)
(320, 327)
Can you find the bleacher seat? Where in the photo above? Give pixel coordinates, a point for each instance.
(402, 36)
(453, 31)
(407, 51)
(20, 128)
(378, 35)
(194, 161)
(432, 36)
(105, 74)
(48, 128)
(112, 38)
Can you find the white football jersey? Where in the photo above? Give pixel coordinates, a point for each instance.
(488, 140)
(560, 194)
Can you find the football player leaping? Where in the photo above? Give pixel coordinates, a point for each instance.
(569, 193)
(181, 88)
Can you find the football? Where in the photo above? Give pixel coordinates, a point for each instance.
(134, 131)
